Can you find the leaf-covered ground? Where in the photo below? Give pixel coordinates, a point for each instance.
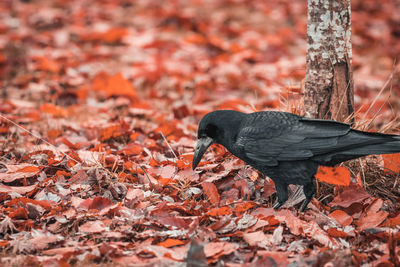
(99, 107)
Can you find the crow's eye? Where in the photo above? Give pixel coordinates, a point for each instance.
(211, 130)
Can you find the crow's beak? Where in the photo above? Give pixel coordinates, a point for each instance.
(201, 147)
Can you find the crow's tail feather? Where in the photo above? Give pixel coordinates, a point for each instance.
(358, 144)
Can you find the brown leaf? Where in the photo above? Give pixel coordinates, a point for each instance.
(258, 239)
(17, 189)
(372, 217)
(348, 196)
(18, 173)
(216, 249)
(93, 227)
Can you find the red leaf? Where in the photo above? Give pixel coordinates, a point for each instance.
(211, 191)
(337, 233)
(334, 175)
(97, 203)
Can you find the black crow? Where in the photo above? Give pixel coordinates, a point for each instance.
(286, 147)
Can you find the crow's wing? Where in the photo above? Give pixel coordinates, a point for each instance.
(269, 137)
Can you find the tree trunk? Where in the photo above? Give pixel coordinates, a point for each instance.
(329, 92)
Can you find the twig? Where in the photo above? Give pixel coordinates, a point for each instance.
(151, 184)
(166, 141)
(37, 137)
(380, 92)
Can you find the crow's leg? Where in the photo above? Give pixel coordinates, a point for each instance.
(309, 191)
(282, 193)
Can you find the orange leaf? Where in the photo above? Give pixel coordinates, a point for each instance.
(53, 133)
(47, 64)
(242, 207)
(211, 191)
(195, 39)
(43, 203)
(342, 217)
(118, 85)
(392, 162)
(171, 243)
(19, 213)
(334, 175)
(132, 149)
(29, 169)
(110, 131)
(165, 181)
(115, 85)
(220, 211)
(53, 110)
(114, 35)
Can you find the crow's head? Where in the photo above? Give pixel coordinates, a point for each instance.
(214, 127)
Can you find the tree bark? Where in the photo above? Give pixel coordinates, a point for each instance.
(329, 91)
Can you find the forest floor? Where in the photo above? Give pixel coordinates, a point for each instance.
(99, 107)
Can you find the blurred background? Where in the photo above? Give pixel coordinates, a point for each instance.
(199, 54)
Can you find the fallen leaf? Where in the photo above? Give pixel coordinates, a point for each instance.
(216, 249)
(114, 85)
(372, 217)
(211, 191)
(392, 162)
(219, 211)
(334, 175)
(17, 189)
(54, 110)
(171, 243)
(258, 239)
(19, 214)
(341, 217)
(349, 196)
(92, 227)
